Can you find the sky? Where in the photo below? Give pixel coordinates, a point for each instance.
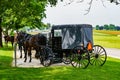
(74, 13)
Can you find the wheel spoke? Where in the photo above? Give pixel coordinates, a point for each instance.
(98, 56)
(101, 52)
(46, 56)
(79, 59)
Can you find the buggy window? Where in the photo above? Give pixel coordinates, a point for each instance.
(57, 33)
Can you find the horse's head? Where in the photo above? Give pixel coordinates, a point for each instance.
(20, 37)
(7, 38)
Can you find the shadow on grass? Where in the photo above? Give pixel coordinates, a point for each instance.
(110, 71)
(5, 61)
(9, 48)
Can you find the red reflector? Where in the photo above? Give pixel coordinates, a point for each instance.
(78, 51)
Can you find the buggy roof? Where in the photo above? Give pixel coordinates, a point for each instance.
(71, 26)
(73, 34)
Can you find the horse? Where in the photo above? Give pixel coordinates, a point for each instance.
(38, 43)
(34, 42)
(19, 38)
(9, 38)
(29, 42)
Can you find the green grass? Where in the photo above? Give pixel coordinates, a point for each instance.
(110, 71)
(107, 38)
(108, 32)
(6, 57)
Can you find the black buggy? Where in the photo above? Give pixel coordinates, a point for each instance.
(73, 44)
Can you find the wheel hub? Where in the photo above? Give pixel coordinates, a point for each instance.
(79, 58)
(96, 55)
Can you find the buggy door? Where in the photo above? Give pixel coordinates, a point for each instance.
(56, 39)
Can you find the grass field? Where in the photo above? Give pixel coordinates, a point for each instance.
(108, 32)
(110, 71)
(108, 39)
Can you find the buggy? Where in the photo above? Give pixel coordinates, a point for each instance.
(73, 44)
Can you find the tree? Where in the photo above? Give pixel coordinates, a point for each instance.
(91, 2)
(106, 27)
(101, 28)
(1, 45)
(97, 27)
(115, 1)
(117, 28)
(15, 14)
(2, 9)
(111, 27)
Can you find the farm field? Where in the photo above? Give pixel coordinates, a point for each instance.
(109, 39)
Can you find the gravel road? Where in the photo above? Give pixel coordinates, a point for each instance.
(112, 52)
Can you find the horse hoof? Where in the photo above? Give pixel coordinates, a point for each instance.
(20, 56)
(25, 61)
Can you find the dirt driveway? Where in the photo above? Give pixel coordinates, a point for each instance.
(112, 52)
(35, 62)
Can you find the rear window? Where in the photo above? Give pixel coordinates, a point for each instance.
(58, 33)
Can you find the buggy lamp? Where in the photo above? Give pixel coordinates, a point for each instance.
(89, 46)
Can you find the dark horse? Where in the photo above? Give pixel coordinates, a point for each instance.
(38, 43)
(20, 38)
(9, 38)
(35, 42)
(28, 42)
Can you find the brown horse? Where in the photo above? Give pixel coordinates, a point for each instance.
(38, 43)
(34, 42)
(9, 38)
(20, 38)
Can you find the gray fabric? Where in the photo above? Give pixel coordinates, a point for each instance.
(87, 35)
(74, 35)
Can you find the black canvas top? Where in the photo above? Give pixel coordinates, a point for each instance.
(74, 35)
(71, 26)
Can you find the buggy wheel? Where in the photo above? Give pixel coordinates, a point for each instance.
(46, 57)
(80, 58)
(66, 59)
(98, 56)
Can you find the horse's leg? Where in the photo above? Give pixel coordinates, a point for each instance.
(12, 44)
(25, 54)
(20, 48)
(7, 43)
(37, 55)
(24, 50)
(21, 51)
(29, 54)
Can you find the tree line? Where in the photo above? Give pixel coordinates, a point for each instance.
(107, 27)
